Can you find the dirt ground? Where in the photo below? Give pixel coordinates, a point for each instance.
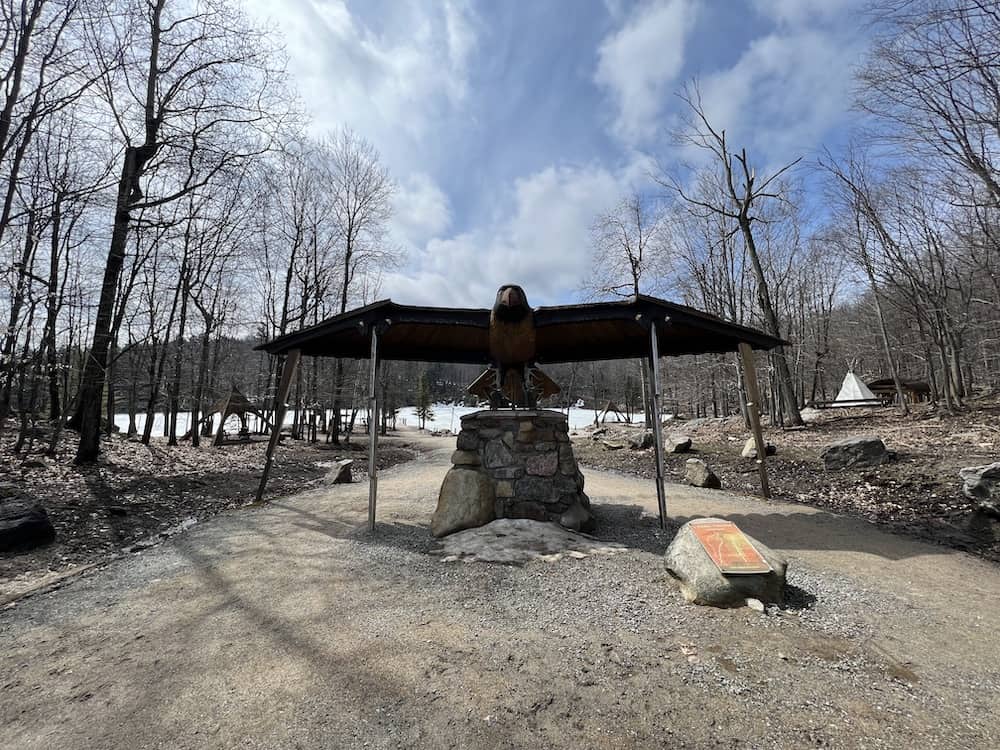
(292, 626)
(918, 493)
(137, 495)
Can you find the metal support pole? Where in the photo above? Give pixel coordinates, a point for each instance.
(280, 407)
(753, 399)
(373, 429)
(654, 391)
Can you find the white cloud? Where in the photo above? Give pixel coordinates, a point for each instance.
(641, 60)
(542, 243)
(803, 12)
(391, 83)
(785, 92)
(421, 211)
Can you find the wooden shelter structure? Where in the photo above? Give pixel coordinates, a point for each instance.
(639, 327)
(915, 391)
(235, 404)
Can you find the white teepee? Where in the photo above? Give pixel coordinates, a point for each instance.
(854, 389)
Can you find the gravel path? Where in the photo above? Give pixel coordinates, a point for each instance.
(291, 626)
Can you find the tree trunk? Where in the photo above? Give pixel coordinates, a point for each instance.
(51, 315)
(784, 375)
(87, 418)
(890, 359)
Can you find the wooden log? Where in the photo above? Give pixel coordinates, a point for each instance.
(280, 407)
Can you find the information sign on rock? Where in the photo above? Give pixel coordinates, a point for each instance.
(729, 549)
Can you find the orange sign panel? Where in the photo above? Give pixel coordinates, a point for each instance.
(728, 547)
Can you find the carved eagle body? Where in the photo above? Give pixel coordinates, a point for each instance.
(512, 353)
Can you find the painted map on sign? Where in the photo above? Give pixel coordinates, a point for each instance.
(728, 547)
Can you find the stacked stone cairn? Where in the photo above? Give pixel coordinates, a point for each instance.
(512, 464)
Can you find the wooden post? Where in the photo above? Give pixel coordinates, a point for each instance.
(654, 392)
(373, 428)
(753, 399)
(280, 407)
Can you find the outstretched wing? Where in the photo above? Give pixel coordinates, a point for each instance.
(571, 333)
(406, 332)
(621, 330)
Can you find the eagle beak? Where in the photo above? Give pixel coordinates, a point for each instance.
(511, 297)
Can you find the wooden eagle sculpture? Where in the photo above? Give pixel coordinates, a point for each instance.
(512, 338)
(513, 378)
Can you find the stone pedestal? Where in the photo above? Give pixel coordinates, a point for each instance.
(522, 463)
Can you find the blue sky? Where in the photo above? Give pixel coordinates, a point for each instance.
(509, 125)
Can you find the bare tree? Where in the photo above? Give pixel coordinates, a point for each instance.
(740, 198)
(191, 89)
(629, 246)
(361, 191)
(629, 252)
(933, 78)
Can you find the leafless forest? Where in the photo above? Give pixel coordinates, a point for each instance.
(167, 205)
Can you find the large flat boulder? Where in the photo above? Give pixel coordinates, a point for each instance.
(24, 525)
(697, 474)
(859, 452)
(516, 541)
(982, 485)
(466, 500)
(702, 582)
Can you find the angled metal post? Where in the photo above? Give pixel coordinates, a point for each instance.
(753, 399)
(373, 428)
(654, 390)
(280, 407)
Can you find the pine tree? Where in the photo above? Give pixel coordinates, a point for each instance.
(424, 411)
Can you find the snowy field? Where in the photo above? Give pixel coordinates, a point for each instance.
(446, 417)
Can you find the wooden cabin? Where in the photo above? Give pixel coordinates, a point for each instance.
(915, 391)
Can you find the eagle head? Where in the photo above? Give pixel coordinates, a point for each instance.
(511, 304)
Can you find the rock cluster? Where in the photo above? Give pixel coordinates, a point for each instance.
(855, 453)
(672, 443)
(512, 464)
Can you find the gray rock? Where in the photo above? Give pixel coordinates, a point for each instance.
(750, 449)
(497, 454)
(24, 525)
(697, 474)
(676, 443)
(567, 462)
(538, 489)
(341, 472)
(542, 464)
(466, 500)
(702, 582)
(577, 518)
(982, 485)
(642, 442)
(468, 440)
(465, 458)
(855, 452)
